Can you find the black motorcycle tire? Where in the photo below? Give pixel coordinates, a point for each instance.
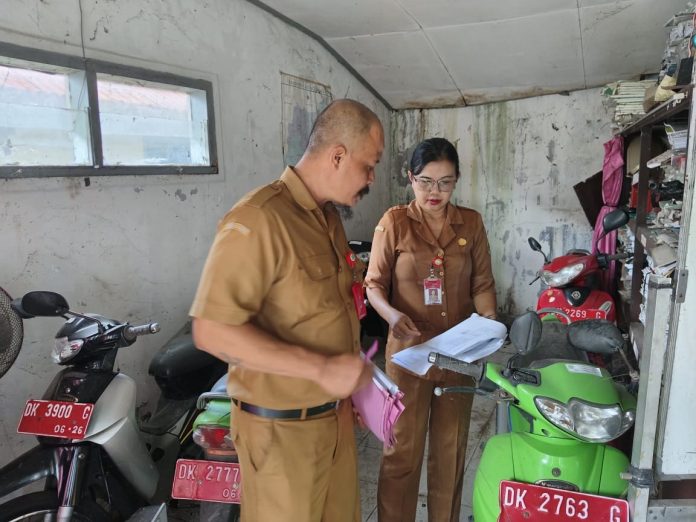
(34, 506)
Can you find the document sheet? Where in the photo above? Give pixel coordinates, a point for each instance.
(472, 339)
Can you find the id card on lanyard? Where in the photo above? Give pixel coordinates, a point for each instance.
(357, 287)
(432, 285)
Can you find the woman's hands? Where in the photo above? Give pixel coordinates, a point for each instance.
(402, 326)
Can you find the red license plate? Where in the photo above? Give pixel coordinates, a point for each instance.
(520, 502)
(580, 314)
(207, 480)
(67, 420)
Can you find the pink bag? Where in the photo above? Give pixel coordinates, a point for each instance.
(379, 404)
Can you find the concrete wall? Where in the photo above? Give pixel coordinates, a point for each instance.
(132, 247)
(519, 162)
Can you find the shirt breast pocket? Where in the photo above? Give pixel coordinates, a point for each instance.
(409, 268)
(319, 266)
(318, 288)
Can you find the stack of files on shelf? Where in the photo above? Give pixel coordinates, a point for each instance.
(627, 98)
(661, 249)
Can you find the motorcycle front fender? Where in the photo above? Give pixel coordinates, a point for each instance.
(36, 464)
(525, 457)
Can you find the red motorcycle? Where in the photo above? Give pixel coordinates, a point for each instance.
(573, 279)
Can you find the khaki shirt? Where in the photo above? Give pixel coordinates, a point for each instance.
(402, 253)
(278, 262)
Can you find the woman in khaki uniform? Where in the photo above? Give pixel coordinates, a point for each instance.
(430, 268)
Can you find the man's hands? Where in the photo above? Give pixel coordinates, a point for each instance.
(343, 374)
(402, 326)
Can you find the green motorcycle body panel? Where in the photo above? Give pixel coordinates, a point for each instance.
(536, 450)
(216, 412)
(560, 381)
(524, 457)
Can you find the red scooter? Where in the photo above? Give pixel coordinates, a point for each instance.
(573, 279)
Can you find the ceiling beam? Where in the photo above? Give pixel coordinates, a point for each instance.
(326, 46)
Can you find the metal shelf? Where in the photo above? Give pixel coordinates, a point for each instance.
(660, 114)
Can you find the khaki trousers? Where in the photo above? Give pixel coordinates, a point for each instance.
(298, 470)
(445, 420)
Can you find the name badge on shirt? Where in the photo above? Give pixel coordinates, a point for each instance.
(432, 290)
(432, 285)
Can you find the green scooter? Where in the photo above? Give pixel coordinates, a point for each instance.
(550, 459)
(215, 480)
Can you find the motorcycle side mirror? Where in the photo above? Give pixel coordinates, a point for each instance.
(534, 244)
(16, 305)
(614, 219)
(44, 304)
(525, 332)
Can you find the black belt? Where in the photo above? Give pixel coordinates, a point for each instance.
(285, 414)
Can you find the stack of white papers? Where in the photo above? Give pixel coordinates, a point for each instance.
(470, 340)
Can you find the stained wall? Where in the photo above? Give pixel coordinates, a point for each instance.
(519, 162)
(133, 247)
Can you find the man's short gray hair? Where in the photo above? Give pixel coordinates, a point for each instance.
(342, 122)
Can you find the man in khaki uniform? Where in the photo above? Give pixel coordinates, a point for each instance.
(275, 301)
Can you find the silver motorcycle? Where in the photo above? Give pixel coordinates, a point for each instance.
(97, 460)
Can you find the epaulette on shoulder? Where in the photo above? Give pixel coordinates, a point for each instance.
(257, 198)
(397, 208)
(466, 210)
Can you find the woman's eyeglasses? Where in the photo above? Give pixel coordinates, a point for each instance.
(443, 185)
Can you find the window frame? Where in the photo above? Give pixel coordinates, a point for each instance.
(91, 68)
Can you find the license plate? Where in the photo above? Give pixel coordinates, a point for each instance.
(520, 502)
(207, 480)
(580, 314)
(67, 420)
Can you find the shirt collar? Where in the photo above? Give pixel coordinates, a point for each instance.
(298, 190)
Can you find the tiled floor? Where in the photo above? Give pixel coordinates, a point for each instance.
(370, 451)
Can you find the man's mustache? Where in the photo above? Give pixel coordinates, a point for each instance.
(345, 211)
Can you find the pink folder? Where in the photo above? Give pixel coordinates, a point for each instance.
(379, 404)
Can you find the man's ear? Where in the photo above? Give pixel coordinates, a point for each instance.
(410, 175)
(338, 155)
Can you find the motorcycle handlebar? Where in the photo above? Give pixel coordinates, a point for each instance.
(474, 370)
(617, 257)
(131, 332)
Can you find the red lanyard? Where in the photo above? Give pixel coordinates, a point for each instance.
(356, 288)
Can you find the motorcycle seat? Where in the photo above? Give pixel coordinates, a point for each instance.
(595, 335)
(181, 370)
(553, 345)
(177, 357)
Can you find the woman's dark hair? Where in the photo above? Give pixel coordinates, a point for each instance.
(433, 149)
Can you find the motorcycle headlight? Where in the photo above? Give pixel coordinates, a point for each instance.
(589, 422)
(64, 350)
(563, 276)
